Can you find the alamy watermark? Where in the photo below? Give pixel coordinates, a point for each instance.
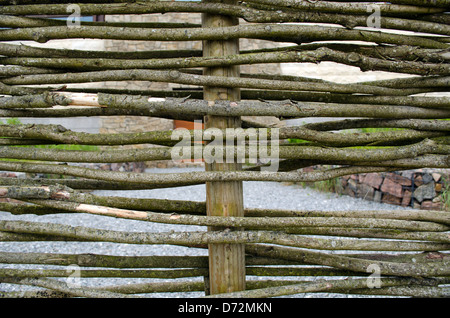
(374, 279)
(374, 20)
(254, 146)
(74, 276)
(74, 19)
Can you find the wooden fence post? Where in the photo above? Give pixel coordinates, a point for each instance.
(226, 261)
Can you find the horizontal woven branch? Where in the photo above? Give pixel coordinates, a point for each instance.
(317, 56)
(216, 153)
(217, 8)
(238, 237)
(151, 181)
(183, 78)
(424, 3)
(273, 32)
(248, 223)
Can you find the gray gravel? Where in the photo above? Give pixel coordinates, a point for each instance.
(256, 195)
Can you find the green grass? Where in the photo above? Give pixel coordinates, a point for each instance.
(11, 121)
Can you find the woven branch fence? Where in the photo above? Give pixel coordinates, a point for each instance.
(394, 253)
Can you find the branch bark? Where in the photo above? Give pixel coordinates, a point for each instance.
(195, 109)
(199, 208)
(342, 8)
(34, 101)
(179, 179)
(273, 32)
(424, 3)
(248, 223)
(328, 286)
(230, 237)
(349, 263)
(183, 78)
(230, 10)
(74, 291)
(229, 153)
(413, 130)
(365, 63)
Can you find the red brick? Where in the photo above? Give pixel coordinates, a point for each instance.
(373, 179)
(391, 187)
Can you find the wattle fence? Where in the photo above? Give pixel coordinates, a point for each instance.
(395, 253)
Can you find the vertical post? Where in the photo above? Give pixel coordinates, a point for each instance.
(226, 261)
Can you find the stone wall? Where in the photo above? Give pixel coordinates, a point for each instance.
(419, 189)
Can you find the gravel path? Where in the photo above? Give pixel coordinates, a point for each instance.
(256, 195)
